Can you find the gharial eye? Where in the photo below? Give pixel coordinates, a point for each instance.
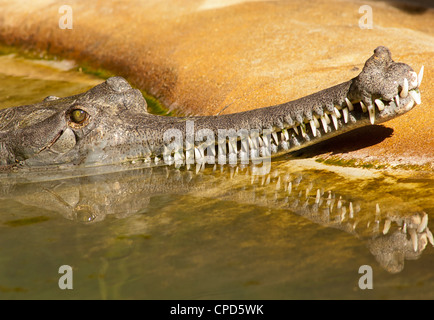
(78, 116)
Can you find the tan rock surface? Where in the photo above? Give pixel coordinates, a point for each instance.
(202, 57)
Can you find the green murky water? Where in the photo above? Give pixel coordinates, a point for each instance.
(300, 230)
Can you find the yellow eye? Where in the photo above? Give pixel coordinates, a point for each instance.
(78, 116)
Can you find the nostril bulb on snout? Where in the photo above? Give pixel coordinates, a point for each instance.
(118, 84)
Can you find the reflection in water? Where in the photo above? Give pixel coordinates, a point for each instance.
(393, 229)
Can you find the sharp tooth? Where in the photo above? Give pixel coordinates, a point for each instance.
(420, 77)
(349, 104)
(295, 129)
(212, 150)
(318, 196)
(371, 110)
(303, 129)
(404, 91)
(364, 109)
(285, 132)
(266, 139)
(166, 151)
(276, 139)
(250, 142)
(179, 157)
(415, 96)
(313, 127)
(379, 104)
(189, 155)
(244, 145)
(222, 148)
(261, 143)
(338, 114)
(197, 153)
(169, 160)
(255, 143)
(397, 100)
(413, 79)
(335, 121)
(326, 116)
(430, 236)
(324, 124)
(345, 113)
(232, 146)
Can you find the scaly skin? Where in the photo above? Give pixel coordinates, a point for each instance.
(109, 124)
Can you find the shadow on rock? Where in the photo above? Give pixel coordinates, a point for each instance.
(347, 142)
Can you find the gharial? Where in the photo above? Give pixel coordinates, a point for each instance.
(110, 124)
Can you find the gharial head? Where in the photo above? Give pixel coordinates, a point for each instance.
(71, 129)
(392, 86)
(109, 124)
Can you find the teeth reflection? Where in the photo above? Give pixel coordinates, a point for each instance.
(414, 239)
(423, 224)
(430, 236)
(318, 196)
(387, 224)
